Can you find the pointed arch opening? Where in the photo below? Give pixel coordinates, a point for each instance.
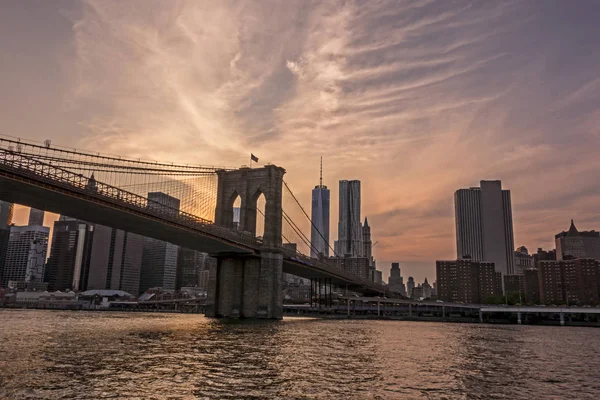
(236, 207)
(261, 205)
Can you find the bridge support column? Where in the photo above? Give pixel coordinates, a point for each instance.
(519, 318)
(562, 319)
(270, 295)
(246, 287)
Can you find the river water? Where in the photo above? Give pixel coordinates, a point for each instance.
(95, 355)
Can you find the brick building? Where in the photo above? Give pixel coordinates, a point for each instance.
(467, 281)
(569, 281)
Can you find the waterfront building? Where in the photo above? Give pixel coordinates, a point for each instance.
(467, 281)
(550, 282)
(576, 244)
(378, 278)
(543, 255)
(395, 281)
(350, 234)
(359, 266)
(514, 284)
(410, 285)
(69, 254)
(159, 258)
(484, 228)
(25, 254)
(319, 233)
(417, 292)
(523, 260)
(6, 215)
(190, 263)
(531, 285)
(573, 281)
(115, 261)
(426, 289)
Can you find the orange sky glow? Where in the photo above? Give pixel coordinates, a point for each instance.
(415, 99)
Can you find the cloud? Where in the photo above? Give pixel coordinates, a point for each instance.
(416, 99)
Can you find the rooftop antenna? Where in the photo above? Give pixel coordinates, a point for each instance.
(321, 176)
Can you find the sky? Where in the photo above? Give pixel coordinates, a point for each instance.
(414, 98)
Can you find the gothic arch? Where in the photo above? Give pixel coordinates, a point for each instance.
(250, 184)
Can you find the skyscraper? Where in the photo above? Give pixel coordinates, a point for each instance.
(484, 229)
(26, 254)
(366, 240)
(350, 233)
(395, 282)
(6, 213)
(190, 264)
(159, 259)
(319, 233)
(36, 217)
(69, 253)
(410, 285)
(115, 261)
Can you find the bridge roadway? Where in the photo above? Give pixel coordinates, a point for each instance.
(39, 185)
(379, 305)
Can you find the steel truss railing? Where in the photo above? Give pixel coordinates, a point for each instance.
(68, 155)
(24, 165)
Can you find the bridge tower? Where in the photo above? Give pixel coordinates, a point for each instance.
(249, 285)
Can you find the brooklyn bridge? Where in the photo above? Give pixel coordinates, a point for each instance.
(270, 236)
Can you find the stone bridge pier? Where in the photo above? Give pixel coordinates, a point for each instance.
(249, 285)
(246, 287)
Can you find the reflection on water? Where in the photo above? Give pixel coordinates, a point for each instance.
(86, 355)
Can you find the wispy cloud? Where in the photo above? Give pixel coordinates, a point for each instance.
(416, 99)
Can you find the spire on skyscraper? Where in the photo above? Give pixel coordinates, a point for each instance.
(321, 174)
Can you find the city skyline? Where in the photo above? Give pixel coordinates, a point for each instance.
(442, 111)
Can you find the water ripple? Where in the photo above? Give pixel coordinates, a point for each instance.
(86, 355)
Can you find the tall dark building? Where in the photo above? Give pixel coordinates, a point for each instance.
(25, 254)
(484, 228)
(36, 217)
(159, 259)
(395, 282)
(532, 286)
(69, 254)
(190, 264)
(6, 214)
(319, 232)
(367, 243)
(350, 233)
(551, 282)
(115, 261)
(410, 285)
